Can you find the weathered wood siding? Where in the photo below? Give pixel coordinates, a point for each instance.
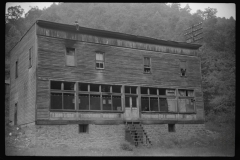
(23, 89)
(123, 65)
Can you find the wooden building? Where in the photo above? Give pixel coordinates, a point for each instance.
(67, 75)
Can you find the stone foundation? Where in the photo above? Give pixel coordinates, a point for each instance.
(159, 132)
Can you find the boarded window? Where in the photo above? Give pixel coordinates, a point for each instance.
(83, 86)
(68, 101)
(56, 85)
(153, 103)
(56, 100)
(145, 103)
(190, 93)
(30, 58)
(83, 128)
(106, 102)
(70, 56)
(94, 87)
(172, 105)
(170, 92)
(189, 105)
(144, 90)
(95, 102)
(183, 68)
(117, 104)
(147, 65)
(162, 91)
(127, 101)
(105, 88)
(182, 105)
(182, 93)
(116, 89)
(68, 85)
(163, 104)
(100, 60)
(83, 102)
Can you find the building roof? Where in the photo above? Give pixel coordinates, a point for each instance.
(116, 35)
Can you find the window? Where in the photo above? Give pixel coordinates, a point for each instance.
(83, 128)
(82, 86)
(130, 90)
(62, 95)
(105, 88)
(147, 65)
(16, 69)
(186, 101)
(171, 127)
(30, 57)
(70, 56)
(116, 89)
(183, 68)
(83, 102)
(99, 60)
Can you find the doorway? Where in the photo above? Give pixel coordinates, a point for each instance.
(131, 108)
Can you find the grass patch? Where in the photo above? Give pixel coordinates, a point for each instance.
(126, 146)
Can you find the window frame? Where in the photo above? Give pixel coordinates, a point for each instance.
(150, 65)
(30, 58)
(100, 61)
(190, 98)
(183, 63)
(16, 69)
(74, 56)
(86, 126)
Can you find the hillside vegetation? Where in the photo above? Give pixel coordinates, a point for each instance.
(160, 20)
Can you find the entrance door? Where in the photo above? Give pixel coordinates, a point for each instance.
(15, 114)
(131, 108)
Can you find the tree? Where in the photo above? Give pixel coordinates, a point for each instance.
(13, 14)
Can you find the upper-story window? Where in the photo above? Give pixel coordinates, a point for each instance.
(183, 68)
(147, 65)
(70, 56)
(16, 69)
(99, 60)
(186, 100)
(30, 57)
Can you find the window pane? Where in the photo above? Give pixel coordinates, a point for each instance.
(94, 87)
(105, 88)
(116, 89)
(68, 101)
(127, 101)
(182, 92)
(153, 91)
(172, 105)
(190, 93)
(83, 102)
(56, 85)
(162, 91)
(95, 102)
(182, 105)
(97, 65)
(154, 104)
(134, 101)
(144, 90)
(189, 105)
(83, 86)
(99, 56)
(101, 65)
(146, 61)
(147, 70)
(145, 103)
(163, 104)
(127, 89)
(68, 85)
(134, 90)
(117, 104)
(70, 60)
(56, 100)
(107, 102)
(70, 51)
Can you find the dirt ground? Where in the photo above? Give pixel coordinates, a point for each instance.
(158, 151)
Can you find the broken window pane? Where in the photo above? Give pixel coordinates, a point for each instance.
(127, 89)
(70, 58)
(134, 101)
(56, 100)
(190, 93)
(182, 92)
(105, 88)
(162, 91)
(144, 90)
(107, 102)
(153, 103)
(68, 101)
(147, 70)
(95, 102)
(70, 51)
(83, 102)
(117, 104)
(153, 91)
(83, 86)
(68, 85)
(94, 87)
(145, 103)
(163, 104)
(116, 89)
(56, 85)
(127, 101)
(172, 105)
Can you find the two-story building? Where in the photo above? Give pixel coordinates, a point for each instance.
(87, 87)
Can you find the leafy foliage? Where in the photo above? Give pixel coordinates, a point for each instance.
(157, 20)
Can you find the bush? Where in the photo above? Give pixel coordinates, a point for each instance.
(126, 146)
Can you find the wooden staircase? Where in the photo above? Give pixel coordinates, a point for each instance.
(138, 135)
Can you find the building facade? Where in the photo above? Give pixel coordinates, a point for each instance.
(84, 87)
